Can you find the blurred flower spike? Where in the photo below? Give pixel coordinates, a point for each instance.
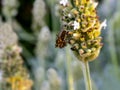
(13, 74)
(19, 83)
(81, 22)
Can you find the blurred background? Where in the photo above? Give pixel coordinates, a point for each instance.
(36, 23)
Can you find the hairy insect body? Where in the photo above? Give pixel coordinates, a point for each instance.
(61, 40)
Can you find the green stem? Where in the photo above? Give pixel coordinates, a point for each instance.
(69, 72)
(86, 73)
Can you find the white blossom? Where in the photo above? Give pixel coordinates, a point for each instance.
(69, 15)
(104, 24)
(76, 25)
(64, 2)
(95, 4)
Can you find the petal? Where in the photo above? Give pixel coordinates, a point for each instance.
(103, 24)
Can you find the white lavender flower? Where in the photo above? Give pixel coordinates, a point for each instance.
(43, 40)
(54, 79)
(45, 34)
(38, 14)
(45, 86)
(39, 76)
(10, 8)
